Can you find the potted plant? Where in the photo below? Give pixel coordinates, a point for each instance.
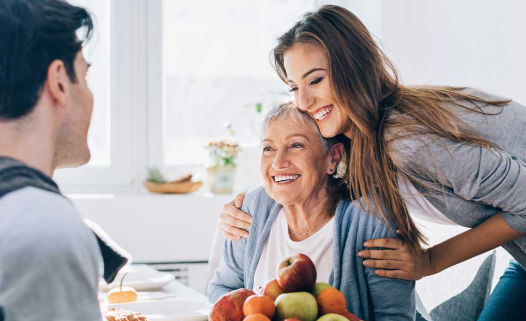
(222, 166)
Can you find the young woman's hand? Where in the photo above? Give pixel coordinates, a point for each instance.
(397, 261)
(233, 222)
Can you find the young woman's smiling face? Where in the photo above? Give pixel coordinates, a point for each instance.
(307, 69)
(294, 162)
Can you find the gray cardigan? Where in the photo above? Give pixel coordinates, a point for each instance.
(368, 296)
(477, 182)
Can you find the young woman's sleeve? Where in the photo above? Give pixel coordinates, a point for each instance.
(489, 176)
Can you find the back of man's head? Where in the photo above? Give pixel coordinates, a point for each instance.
(34, 33)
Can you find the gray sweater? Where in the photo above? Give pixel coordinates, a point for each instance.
(468, 183)
(368, 296)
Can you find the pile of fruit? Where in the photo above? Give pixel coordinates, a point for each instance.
(293, 296)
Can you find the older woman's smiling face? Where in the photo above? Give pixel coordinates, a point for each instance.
(294, 162)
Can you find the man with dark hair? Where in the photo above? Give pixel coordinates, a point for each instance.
(50, 261)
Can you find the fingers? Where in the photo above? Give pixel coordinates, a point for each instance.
(229, 236)
(231, 220)
(235, 212)
(231, 232)
(239, 200)
(392, 274)
(384, 264)
(380, 254)
(386, 242)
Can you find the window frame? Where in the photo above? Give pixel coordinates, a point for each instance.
(127, 100)
(138, 100)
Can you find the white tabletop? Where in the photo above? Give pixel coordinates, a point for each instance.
(184, 292)
(173, 302)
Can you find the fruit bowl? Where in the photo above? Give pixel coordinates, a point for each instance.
(293, 296)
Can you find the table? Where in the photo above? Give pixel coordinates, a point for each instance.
(173, 302)
(183, 291)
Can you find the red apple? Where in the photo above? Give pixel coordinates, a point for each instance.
(296, 274)
(350, 316)
(272, 289)
(230, 306)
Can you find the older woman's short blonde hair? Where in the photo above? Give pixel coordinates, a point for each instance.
(288, 110)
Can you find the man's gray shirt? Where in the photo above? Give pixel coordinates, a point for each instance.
(49, 259)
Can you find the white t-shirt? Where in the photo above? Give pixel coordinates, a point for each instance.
(418, 206)
(279, 246)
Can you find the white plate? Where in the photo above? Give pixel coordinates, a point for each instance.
(141, 277)
(169, 310)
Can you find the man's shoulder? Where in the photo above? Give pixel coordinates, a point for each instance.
(37, 209)
(47, 253)
(29, 198)
(38, 219)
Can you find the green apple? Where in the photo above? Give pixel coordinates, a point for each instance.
(298, 305)
(320, 286)
(333, 317)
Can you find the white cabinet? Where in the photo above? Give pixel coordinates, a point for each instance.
(192, 274)
(172, 232)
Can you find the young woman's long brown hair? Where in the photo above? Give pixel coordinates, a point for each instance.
(366, 87)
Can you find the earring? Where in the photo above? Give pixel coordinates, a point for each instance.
(331, 170)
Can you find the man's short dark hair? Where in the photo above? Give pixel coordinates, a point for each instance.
(34, 33)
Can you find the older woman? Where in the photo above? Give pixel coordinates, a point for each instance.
(304, 209)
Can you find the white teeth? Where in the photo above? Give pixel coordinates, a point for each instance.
(322, 113)
(287, 178)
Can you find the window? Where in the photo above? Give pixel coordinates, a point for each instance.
(216, 68)
(167, 75)
(98, 53)
(112, 81)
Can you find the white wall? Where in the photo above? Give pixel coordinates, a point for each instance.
(470, 43)
(369, 12)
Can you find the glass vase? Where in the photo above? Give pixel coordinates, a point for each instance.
(221, 179)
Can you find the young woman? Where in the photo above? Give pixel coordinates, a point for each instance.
(456, 154)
